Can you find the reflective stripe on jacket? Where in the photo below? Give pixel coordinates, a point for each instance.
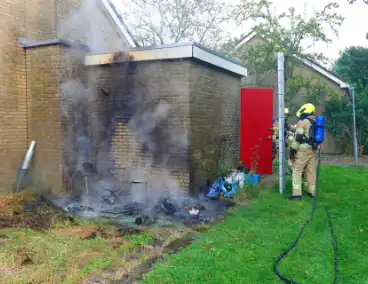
(303, 127)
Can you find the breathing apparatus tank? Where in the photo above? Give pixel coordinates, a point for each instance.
(319, 131)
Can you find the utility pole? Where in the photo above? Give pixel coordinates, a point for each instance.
(355, 140)
(281, 99)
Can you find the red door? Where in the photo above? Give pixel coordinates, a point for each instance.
(256, 114)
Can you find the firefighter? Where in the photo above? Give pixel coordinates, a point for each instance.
(287, 127)
(303, 153)
(291, 138)
(275, 132)
(288, 132)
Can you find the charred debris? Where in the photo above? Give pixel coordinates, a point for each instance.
(133, 205)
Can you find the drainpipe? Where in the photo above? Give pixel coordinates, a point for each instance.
(24, 167)
(355, 138)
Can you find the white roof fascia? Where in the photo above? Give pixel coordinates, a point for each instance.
(121, 28)
(213, 59)
(179, 51)
(320, 70)
(246, 39)
(140, 55)
(325, 73)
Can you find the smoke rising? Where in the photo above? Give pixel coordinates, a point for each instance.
(102, 108)
(87, 25)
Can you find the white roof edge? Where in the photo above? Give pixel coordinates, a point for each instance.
(121, 28)
(173, 52)
(324, 72)
(317, 68)
(246, 39)
(218, 61)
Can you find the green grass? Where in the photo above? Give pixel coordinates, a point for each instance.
(58, 258)
(243, 247)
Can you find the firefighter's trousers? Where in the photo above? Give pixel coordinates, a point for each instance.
(305, 162)
(305, 179)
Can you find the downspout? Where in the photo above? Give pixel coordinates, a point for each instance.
(56, 18)
(26, 92)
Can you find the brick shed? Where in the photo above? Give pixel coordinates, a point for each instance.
(171, 111)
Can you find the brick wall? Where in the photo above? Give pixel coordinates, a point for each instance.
(33, 20)
(40, 19)
(72, 78)
(30, 96)
(13, 104)
(199, 100)
(49, 112)
(214, 120)
(44, 117)
(203, 102)
(130, 141)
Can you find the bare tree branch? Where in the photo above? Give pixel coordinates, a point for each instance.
(171, 21)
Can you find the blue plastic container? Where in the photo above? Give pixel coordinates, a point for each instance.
(253, 179)
(319, 132)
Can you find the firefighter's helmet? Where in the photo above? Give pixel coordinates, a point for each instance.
(306, 109)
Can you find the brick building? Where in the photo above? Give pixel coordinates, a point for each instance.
(55, 91)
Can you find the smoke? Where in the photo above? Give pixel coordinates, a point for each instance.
(144, 122)
(87, 25)
(99, 106)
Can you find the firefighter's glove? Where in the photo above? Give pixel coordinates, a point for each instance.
(292, 154)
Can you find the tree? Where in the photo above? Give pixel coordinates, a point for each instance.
(170, 21)
(352, 66)
(290, 33)
(355, 1)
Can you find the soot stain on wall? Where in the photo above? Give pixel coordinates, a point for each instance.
(120, 96)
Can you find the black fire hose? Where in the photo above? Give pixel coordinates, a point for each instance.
(295, 242)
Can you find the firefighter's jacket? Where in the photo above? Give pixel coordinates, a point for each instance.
(275, 132)
(303, 127)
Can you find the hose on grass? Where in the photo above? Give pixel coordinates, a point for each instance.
(295, 242)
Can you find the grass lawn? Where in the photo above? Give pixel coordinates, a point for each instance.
(71, 251)
(243, 247)
(56, 257)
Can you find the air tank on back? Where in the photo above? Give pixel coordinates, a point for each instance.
(319, 134)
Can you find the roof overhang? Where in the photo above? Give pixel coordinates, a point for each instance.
(325, 73)
(245, 40)
(315, 67)
(28, 44)
(121, 27)
(165, 52)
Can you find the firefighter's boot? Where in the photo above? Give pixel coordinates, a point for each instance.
(295, 198)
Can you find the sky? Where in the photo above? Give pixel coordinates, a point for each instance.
(352, 32)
